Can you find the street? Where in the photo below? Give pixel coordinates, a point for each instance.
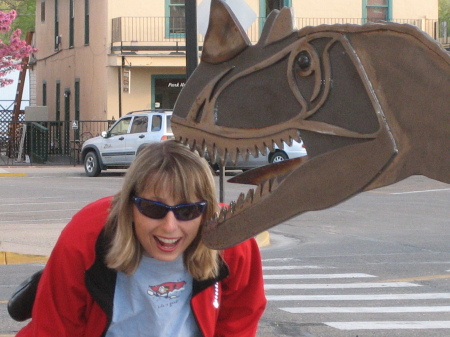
(375, 265)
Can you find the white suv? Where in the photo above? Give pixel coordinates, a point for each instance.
(117, 147)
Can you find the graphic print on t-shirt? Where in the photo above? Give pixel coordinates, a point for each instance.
(166, 289)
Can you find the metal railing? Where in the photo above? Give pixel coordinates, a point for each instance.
(49, 142)
(138, 34)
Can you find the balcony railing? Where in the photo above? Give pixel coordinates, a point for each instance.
(164, 34)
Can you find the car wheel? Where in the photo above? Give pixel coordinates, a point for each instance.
(91, 165)
(278, 156)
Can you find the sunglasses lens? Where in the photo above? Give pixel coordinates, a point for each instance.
(188, 212)
(151, 210)
(156, 210)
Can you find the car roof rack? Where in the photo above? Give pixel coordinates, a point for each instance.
(149, 110)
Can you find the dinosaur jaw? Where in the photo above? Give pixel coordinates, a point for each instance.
(300, 185)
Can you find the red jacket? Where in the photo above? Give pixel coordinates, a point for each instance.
(76, 292)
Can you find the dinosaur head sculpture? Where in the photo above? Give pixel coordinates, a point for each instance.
(370, 103)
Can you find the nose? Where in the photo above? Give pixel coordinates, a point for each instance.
(169, 222)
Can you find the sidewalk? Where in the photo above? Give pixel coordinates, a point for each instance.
(9, 250)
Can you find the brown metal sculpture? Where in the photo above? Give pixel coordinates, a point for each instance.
(370, 102)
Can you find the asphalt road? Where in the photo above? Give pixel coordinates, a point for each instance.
(375, 265)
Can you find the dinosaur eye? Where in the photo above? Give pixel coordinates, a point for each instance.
(304, 60)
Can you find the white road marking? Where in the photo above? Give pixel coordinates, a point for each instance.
(389, 325)
(367, 297)
(341, 285)
(290, 267)
(364, 310)
(314, 276)
(423, 191)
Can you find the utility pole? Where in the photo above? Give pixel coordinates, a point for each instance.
(190, 8)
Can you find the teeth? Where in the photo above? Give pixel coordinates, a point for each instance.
(249, 198)
(223, 214)
(279, 143)
(219, 154)
(167, 241)
(192, 144)
(240, 200)
(232, 207)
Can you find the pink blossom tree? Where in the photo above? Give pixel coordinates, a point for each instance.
(12, 53)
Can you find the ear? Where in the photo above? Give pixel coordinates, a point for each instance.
(225, 37)
(279, 24)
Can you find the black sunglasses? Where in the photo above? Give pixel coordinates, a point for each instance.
(158, 210)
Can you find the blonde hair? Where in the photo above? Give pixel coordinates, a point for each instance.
(171, 166)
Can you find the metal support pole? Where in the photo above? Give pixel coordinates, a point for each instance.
(191, 36)
(221, 184)
(192, 62)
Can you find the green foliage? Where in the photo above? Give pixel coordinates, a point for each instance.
(26, 13)
(444, 10)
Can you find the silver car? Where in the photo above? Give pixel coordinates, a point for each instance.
(117, 147)
(288, 152)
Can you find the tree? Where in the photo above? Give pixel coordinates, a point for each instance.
(11, 53)
(444, 16)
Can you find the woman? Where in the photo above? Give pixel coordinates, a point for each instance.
(134, 265)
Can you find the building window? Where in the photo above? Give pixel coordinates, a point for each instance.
(377, 10)
(71, 23)
(57, 36)
(77, 106)
(267, 6)
(166, 89)
(58, 101)
(175, 25)
(44, 94)
(86, 22)
(42, 10)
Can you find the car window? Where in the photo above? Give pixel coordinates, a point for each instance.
(139, 124)
(169, 124)
(156, 123)
(121, 127)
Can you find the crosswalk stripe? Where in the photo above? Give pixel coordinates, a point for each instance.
(270, 286)
(389, 325)
(290, 267)
(314, 276)
(364, 310)
(366, 297)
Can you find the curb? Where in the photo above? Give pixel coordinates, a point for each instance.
(13, 174)
(7, 258)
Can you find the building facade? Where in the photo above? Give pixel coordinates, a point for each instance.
(98, 60)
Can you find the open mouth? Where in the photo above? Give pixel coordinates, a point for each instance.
(288, 188)
(167, 244)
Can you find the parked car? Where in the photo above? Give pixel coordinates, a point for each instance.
(297, 149)
(117, 147)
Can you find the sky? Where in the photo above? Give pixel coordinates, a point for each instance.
(8, 93)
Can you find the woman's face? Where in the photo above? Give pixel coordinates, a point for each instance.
(167, 238)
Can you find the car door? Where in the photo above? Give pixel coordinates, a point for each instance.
(137, 136)
(113, 147)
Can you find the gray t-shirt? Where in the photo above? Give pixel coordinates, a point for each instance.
(154, 301)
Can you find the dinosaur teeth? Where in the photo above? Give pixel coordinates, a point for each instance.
(249, 198)
(254, 151)
(240, 201)
(192, 144)
(223, 214)
(234, 155)
(280, 143)
(273, 184)
(232, 207)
